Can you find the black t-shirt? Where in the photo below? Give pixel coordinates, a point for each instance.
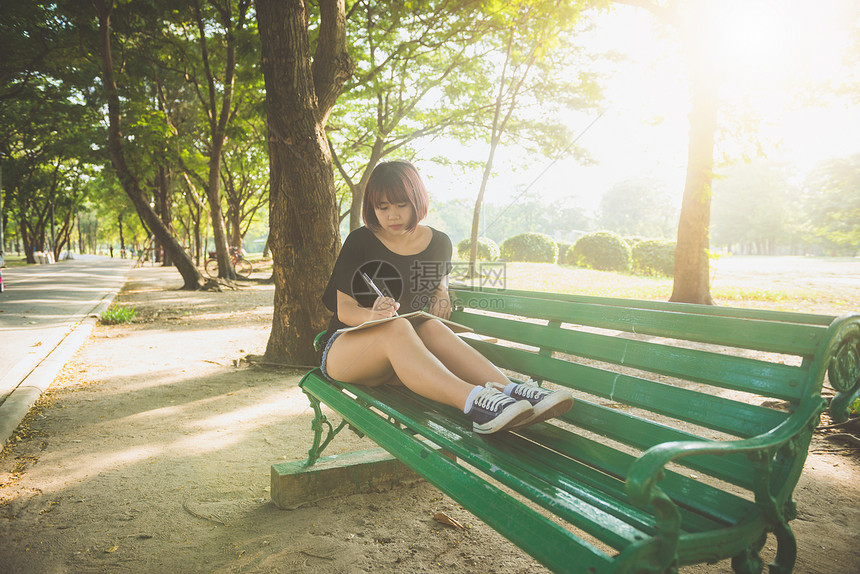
(410, 279)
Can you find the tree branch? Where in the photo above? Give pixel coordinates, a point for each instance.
(210, 80)
(336, 160)
(332, 66)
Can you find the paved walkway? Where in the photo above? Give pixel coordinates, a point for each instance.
(46, 313)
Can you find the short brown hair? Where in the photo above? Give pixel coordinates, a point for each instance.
(395, 182)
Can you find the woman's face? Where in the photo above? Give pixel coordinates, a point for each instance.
(394, 218)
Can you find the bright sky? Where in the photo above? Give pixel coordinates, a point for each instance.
(774, 53)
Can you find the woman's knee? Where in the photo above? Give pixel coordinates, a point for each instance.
(432, 328)
(352, 361)
(399, 327)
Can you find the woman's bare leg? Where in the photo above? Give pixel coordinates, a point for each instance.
(460, 358)
(471, 366)
(373, 356)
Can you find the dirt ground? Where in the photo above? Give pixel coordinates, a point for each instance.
(151, 452)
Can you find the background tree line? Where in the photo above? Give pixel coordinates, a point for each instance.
(151, 117)
(759, 208)
(189, 110)
(128, 115)
(196, 121)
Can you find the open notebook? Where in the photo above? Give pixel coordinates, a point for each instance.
(414, 316)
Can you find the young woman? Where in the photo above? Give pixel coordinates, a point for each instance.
(410, 263)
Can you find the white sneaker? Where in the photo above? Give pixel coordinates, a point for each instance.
(545, 404)
(493, 410)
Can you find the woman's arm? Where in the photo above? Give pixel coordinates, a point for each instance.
(440, 304)
(352, 314)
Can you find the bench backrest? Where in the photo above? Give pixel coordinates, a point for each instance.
(649, 372)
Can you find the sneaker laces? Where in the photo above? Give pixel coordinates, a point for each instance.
(491, 398)
(531, 390)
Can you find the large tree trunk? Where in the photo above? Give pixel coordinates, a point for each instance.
(29, 248)
(303, 208)
(129, 182)
(234, 198)
(219, 232)
(235, 227)
(692, 269)
(121, 237)
(163, 190)
(218, 121)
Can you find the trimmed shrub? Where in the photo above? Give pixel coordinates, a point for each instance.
(601, 250)
(654, 257)
(563, 248)
(531, 246)
(487, 249)
(633, 240)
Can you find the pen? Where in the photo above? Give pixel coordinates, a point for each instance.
(373, 286)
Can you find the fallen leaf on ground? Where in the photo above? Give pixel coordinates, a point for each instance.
(445, 519)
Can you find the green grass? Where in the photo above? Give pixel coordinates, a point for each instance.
(725, 290)
(15, 260)
(549, 277)
(118, 315)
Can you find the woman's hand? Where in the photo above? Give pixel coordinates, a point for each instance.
(384, 307)
(352, 314)
(440, 304)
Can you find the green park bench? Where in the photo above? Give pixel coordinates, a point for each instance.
(689, 432)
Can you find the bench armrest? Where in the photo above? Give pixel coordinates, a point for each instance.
(843, 365)
(642, 479)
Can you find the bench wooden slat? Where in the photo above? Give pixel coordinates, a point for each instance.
(445, 427)
(638, 432)
(643, 434)
(578, 486)
(760, 335)
(547, 541)
(705, 500)
(691, 308)
(737, 373)
(580, 489)
(575, 468)
(699, 547)
(717, 413)
(584, 477)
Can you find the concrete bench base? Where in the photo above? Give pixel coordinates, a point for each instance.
(295, 484)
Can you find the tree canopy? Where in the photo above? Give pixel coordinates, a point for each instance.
(133, 121)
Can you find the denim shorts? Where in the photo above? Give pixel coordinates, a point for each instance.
(325, 354)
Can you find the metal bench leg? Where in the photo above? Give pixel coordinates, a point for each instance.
(320, 421)
(786, 550)
(749, 561)
(778, 517)
(300, 482)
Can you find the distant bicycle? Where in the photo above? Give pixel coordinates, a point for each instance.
(242, 266)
